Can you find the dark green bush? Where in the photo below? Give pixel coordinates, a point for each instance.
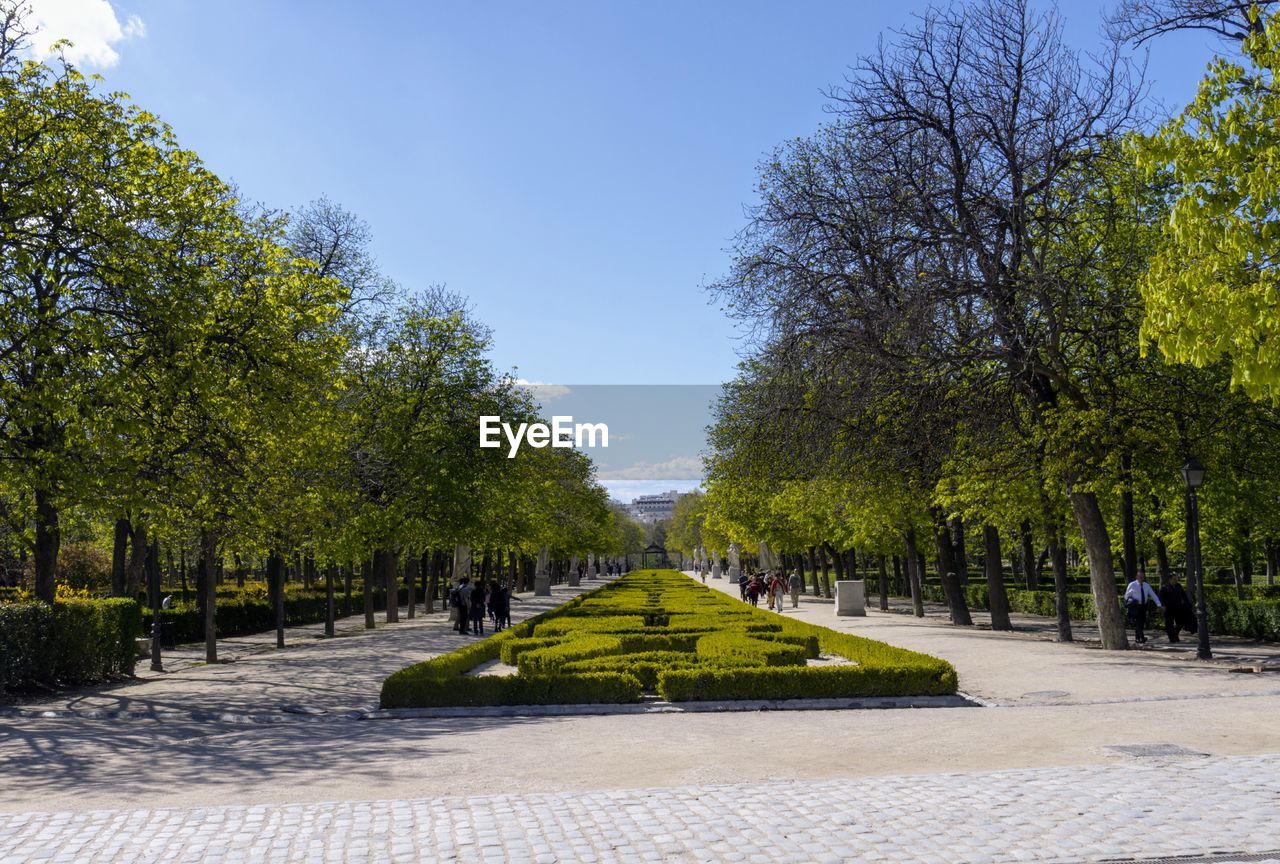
(806, 682)
(71, 642)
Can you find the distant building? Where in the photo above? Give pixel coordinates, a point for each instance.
(654, 508)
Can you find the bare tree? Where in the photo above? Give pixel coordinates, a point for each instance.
(1138, 21)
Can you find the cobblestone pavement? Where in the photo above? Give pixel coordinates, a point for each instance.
(1155, 808)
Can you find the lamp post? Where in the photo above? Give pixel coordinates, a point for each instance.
(1193, 475)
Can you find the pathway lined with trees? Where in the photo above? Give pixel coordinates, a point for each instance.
(994, 311)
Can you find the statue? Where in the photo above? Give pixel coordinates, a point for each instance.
(715, 566)
(574, 578)
(735, 566)
(542, 576)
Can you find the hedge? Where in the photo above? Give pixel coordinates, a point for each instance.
(805, 682)
(242, 613)
(1250, 619)
(658, 631)
(71, 642)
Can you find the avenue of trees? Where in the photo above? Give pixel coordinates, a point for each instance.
(999, 302)
(191, 382)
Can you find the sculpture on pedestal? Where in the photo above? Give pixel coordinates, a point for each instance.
(542, 576)
(735, 566)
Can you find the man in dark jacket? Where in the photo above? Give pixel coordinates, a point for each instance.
(1178, 614)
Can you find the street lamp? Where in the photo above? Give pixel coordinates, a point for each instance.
(1193, 475)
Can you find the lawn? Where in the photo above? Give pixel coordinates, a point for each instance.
(655, 632)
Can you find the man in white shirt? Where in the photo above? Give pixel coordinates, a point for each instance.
(1135, 600)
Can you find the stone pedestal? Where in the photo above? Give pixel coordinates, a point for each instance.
(715, 569)
(574, 579)
(851, 597)
(542, 576)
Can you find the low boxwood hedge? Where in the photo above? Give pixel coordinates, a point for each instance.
(658, 631)
(806, 682)
(70, 642)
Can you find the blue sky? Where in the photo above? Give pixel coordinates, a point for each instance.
(576, 168)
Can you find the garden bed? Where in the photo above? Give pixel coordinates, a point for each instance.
(656, 632)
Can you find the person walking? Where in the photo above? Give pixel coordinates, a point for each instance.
(1135, 600)
(498, 606)
(1178, 614)
(795, 583)
(753, 591)
(742, 585)
(477, 609)
(779, 588)
(460, 599)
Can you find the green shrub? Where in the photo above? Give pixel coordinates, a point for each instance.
(403, 690)
(649, 626)
(71, 642)
(806, 682)
(739, 649)
(548, 659)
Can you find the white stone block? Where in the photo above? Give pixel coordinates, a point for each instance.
(851, 597)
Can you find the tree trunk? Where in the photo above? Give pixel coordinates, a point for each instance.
(1029, 557)
(947, 574)
(366, 573)
(182, 573)
(348, 570)
(275, 585)
(997, 598)
(800, 569)
(411, 581)
(1102, 577)
(208, 552)
(119, 549)
(914, 574)
(884, 585)
(433, 579)
(838, 560)
(899, 590)
(135, 570)
(329, 612)
(826, 575)
(389, 566)
(240, 570)
(958, 546)
(1162, 561)
(1058, 555)
(813, 571)
(1128, 537)
(48, 539)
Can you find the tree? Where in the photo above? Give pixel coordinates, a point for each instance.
(1211, 284)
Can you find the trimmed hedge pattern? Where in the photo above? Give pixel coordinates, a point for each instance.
(658, 631)
(72, 642)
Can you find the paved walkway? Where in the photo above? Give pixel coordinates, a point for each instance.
(1150, 809)
(312, 673)
(1087, 754)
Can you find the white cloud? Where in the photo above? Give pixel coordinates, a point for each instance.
(543, 392)
(92, 25)
(680, 468)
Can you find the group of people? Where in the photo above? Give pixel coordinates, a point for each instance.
(1172, 599)
(474, 602)
(772, 585)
